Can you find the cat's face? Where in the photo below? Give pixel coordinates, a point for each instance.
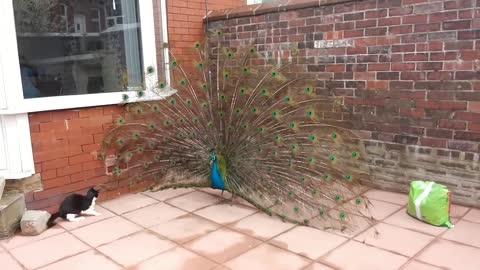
(92, 193)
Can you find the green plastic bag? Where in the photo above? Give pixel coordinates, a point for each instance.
(430, 203)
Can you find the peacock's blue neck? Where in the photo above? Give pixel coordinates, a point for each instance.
(216, 177)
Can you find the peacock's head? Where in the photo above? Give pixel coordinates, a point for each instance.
(212, 158)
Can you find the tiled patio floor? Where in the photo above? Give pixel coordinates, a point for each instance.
(198, 229)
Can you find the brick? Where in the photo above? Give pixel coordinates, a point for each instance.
(69, 170)
(389, 21)
(435, 56)
(381, 85)
(440, 75)
(470, 96)
(48, 174)
(90, 112)
(474, 106)
(463, 146)
(459, 45)
(365, 23)
(467, 116)
(53, 164)
(378, 31)
(443, 16)
(403, 48)
(442, 36)
(470, 55)
(452, 124)
(414, 113)
(442, 105)
(388, 75)
(414, 38)
(344, 26)
(415, 76)
(439, 133)
(468, 34)
(353, 33)
(433, 142)
(467, 75)
(378, 67)
(429, 66)
(457, 25)
(56, 182)
(400, 85)
(428, 27)
(452, 85)
(367, 58)
(400, 29)
(474, 126)
(400, 11)
(440, 95)
(427, 8)
(403, 66)
(80, 159)
(378, 13)
(354, 16)
(414, 19)
(40, 117)
(415, 57)
(467, 136)
(458, 4)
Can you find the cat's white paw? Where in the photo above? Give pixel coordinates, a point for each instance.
(80, 218)
(97, 214)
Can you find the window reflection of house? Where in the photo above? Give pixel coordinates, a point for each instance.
(88, 51)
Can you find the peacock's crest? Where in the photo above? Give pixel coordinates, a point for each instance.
(263, 127)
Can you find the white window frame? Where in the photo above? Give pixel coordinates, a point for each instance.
(14, 108)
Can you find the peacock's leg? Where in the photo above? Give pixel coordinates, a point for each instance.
(233, 196)
(222, 192)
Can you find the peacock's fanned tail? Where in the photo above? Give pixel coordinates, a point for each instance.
(268, 125)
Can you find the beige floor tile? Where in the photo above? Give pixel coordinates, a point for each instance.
(414, 265)
(154, 214)
(88, 219)
(357, 256)
(176, 259)
(318, 266)
(448, 254)
(8, 263)
(402, 219)
(220, 267)
(222, 245)
(473, 215)
(87, 260)
(166, 194)
(307, 241)
(396, 239)
(185, 228)
(106, 231)
(225, 213)
(128, 203)
(267, 257)
(391, 197)
(136, 248)
(227, 196)
(20, 240)
(48, 250)
(194, 201)
(380, 209)
(458, 211)
(333, 224)
(464, 232)
(261, 226)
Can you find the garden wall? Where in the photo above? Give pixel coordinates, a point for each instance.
(408, 71)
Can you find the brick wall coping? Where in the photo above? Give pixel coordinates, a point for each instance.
(277, 6)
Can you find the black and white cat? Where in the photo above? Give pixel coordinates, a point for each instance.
(75, 205)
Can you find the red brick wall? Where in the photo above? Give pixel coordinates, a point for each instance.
(409, 71)
(65, 142)
(185, 23)
(65, 147)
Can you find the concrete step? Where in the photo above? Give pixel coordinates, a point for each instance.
(12, 207)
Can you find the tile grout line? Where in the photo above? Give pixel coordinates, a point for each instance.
(435, 239)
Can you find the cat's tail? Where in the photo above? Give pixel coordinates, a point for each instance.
(51, 220)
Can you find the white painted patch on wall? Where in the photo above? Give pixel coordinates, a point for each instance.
(323, 44)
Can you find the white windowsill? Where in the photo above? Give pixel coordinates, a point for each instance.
(81, 101)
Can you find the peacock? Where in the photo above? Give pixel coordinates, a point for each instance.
(250, 125)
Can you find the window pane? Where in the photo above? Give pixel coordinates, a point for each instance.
(78, 47)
